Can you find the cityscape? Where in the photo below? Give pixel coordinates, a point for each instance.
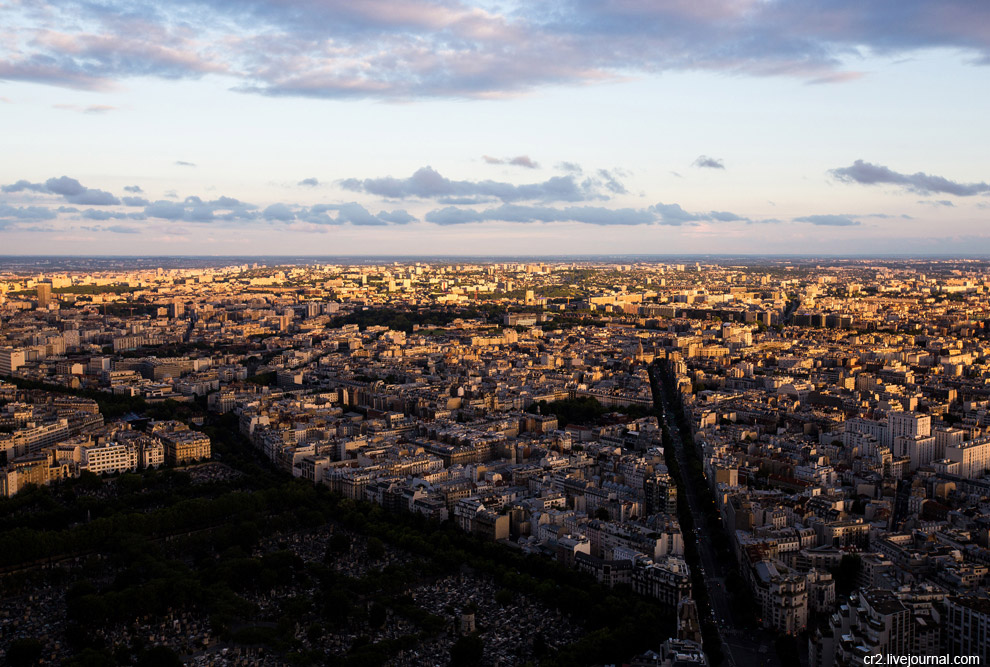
(494, 333)
(527, 462)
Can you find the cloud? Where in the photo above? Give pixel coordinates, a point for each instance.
(23, 185)
(96, 214)
(349, 213)
(593, 215)
(354, 214)
(64, 185)
(68, 188)
(725, 216)
(866, 173)
(427, 183)
(945, 203)
(134, 189)
(611, 182)
(115, 229)
(835, 77)
(25, 213)
(705, 162)
(74, 193)
(407, 49)
(882, 216)
(92, 109)
(309, 182)
(195, 209)
(183, 163)
(673, 214)
(358, 215)
(93, 198)
(572, 167)
(279, 212)
(828, 220)
(166, 210)
(396, 217)
(658, 214)
(518, 161)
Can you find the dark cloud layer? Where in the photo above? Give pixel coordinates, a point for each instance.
(403, 49)
(527, 203)
(866, 173)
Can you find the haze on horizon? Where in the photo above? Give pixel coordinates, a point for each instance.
(199, 127)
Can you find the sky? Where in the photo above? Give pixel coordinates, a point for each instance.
(538, 127)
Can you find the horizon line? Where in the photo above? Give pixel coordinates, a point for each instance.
(506, 256)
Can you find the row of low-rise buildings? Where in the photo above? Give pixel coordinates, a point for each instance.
(40, 453)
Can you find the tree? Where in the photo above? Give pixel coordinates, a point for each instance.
(504, 597)
(90, 657)
(160, 656)
(89, 481)
(24, 652)
(377, 615)
(339, 543)
(467, 651)
(337, 606)
(314, 632)
(376, 549)
(540, 647)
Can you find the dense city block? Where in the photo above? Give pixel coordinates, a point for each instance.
(542, 461)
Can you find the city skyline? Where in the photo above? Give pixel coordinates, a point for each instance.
(494, 128)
